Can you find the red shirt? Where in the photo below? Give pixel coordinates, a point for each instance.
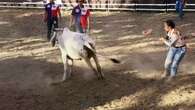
(55, 10)
(85, 13)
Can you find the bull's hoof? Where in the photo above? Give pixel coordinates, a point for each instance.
(101, 78)
(57, 82)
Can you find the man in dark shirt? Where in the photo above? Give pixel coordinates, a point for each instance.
(52, 12)
(76, 16)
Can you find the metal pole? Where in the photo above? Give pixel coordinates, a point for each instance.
(88, 3)
(108, 6)
(166, 6)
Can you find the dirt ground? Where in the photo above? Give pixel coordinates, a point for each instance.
(28, 65)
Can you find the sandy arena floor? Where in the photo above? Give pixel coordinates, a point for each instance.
(28, 65)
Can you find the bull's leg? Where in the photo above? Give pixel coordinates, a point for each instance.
(98, 66)
(87, 60)
(70, 69)
(65, 62)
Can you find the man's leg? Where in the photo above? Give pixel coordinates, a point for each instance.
(78, 28)
(181, 14)
(78, 25)
(177, 59)
(81, 29)
(55, 24)
(168, 61)
(177, 6)
(84, 30)
(49, 28)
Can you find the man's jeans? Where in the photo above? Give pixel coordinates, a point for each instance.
(50, 23)
(78, 26)
(179, 8)
(174, 57)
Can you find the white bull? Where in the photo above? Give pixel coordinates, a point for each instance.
(76, 46)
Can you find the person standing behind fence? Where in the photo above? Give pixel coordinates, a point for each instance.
(52, 12)
(177, 48)
(179, 7)
(80, 17)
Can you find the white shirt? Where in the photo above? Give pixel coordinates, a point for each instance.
(175, 39)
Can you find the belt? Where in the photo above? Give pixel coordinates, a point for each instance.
(179, 46)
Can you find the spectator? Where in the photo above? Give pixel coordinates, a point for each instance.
(52, 12)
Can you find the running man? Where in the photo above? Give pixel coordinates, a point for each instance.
(85, 19)
(177, 48)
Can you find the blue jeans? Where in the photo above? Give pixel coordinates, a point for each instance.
(78, 26)
(174, 57)
(179, 8)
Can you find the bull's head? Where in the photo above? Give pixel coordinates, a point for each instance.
(56, 32)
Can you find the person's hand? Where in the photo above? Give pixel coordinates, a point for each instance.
(70, 25)
(45, 19)
(188, 49)
(60, 18)
(162, 39)
(147, 32)
(88, 31)
(193, 34)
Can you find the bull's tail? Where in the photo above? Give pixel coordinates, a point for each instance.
(113, 60)
(92, 49)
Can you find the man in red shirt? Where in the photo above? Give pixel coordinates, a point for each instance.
(85, 19)
(52, 12)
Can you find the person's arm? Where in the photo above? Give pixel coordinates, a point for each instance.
(171, 42)
(45, 14)
(88, 21)
(185, 2)
(59, 12)
(187, 45)
(72, 18)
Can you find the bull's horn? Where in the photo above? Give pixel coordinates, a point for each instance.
(58, 29)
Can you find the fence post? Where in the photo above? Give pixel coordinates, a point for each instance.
(166, 7)
(108, 6)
